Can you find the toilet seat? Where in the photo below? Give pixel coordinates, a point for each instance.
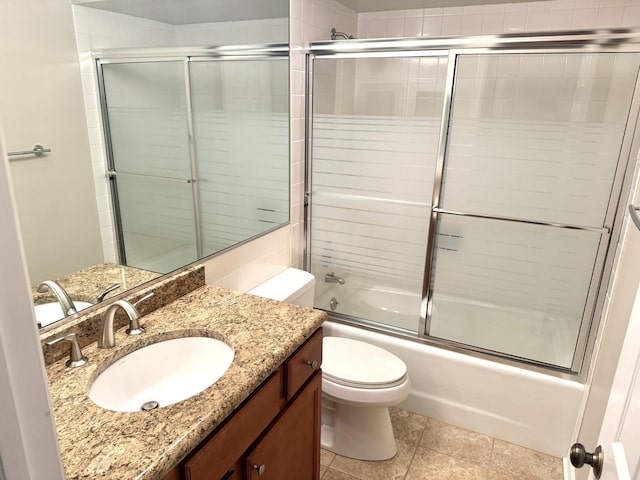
(356, 364)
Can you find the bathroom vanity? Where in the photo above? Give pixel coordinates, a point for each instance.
(275, 434)
(261, 419)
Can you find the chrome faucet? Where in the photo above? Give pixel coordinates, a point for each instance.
(63, 297)
(106, 334)
(76, 358)
(333, 278)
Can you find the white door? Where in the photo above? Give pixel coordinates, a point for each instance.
(620, 433)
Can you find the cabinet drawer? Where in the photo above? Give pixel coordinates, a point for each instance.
(216, 456)
(303, 363)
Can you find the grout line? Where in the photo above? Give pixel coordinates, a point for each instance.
(487, 469)
(490, 467)
(416, 449)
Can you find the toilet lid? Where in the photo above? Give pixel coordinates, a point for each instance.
(354, 363)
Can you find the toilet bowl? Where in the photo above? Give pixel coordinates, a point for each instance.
(359, 381)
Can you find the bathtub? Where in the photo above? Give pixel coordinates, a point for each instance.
(532, 335)
(527, 408)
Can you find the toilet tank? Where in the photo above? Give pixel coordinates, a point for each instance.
(291, 286)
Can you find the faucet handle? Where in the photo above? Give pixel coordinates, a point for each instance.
(76, 359)
(134, 320)
(148, 295)
(107, 291)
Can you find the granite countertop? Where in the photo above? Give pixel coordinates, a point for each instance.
(98, 443)
(85, 285)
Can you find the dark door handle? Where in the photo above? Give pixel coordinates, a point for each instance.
(579, 456)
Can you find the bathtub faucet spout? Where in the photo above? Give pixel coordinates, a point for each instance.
(333, 278)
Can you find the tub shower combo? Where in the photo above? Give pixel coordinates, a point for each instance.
(468, 195)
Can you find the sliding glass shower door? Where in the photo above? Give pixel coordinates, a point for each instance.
(376, 125)
(149, 140)
(241, 130)
(199, 153)
(525, 208)
(468, 197)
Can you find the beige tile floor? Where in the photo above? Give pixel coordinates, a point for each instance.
(429, 449)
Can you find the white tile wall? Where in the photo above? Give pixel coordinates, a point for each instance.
(244, 267)
(500, 18)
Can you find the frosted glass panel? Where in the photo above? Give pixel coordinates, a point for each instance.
(147, 118)
(241, 126)
(376, 125)
(157, 223)
(537, 136)
(511, 287)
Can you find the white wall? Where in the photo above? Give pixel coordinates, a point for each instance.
(41, 102)
(28, 446)
(500, 18)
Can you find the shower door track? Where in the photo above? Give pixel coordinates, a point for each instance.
(584, 41)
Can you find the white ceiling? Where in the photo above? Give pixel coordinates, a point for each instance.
(181, 12)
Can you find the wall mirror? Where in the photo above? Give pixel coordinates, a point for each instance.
(194, 156)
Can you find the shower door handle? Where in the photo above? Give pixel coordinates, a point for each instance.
(111, 174)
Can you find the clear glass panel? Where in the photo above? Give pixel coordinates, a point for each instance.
(148, 118)
(241, 126)
(537, 136)
(157, 222)
(376, 126)
(511, 287)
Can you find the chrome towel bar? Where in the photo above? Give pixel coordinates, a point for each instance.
(633, 213)
(37, 150)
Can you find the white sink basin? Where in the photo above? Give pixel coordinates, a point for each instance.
(165, 372)
(47, 313)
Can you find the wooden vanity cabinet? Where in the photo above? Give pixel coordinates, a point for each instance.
(275, 434)
(290, 448)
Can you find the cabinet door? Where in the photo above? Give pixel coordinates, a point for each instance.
(217, 458)
(290, 449)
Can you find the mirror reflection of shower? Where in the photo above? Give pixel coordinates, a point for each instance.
(335, 35)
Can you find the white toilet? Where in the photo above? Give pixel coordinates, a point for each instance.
(359, 381)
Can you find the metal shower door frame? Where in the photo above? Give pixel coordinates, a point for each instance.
(602, 41)
(186, 55)
(112, 174)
